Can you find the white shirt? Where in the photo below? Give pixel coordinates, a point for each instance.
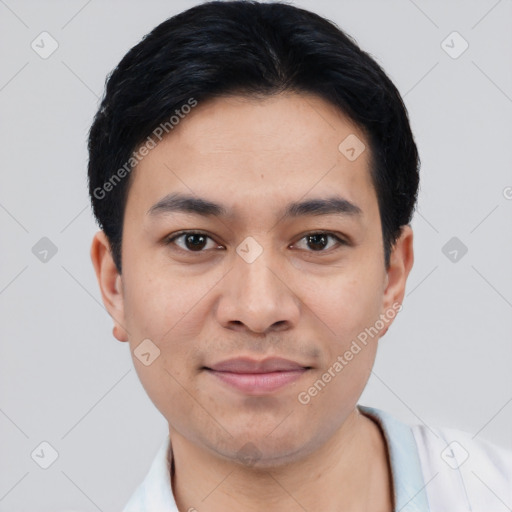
(433, 470)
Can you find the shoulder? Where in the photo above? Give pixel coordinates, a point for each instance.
(462, 472)
(444, 469)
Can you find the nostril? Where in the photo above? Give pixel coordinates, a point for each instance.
(279, 325)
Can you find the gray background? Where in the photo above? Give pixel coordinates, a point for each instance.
(65, 379)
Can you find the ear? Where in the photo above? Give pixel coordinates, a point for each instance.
(400, 264)
(110, 282)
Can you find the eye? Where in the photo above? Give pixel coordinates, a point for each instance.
(192, 241)
(197, 241)
(319, 241)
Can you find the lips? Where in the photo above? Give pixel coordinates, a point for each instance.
(254, 377)
(246, 365)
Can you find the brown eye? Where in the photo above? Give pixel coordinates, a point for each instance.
(318, 242)
(191, 241)
(195, 242)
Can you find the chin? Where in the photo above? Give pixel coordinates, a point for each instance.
(259, 451)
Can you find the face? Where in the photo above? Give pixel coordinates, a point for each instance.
(264, 303)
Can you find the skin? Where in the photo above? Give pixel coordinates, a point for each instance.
(296, 301)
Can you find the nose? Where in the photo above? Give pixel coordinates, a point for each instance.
(256, 297)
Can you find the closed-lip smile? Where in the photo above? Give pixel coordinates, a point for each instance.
(257, 377)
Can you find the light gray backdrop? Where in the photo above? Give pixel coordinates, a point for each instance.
(66, 381)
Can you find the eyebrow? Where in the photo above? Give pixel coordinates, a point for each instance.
(181, 203)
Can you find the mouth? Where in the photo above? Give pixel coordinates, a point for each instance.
(253, 377)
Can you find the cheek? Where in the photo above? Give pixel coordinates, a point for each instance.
(165, 310)
(164, 314)
(167, 388)
(350, 308)
(347, 303)
(155, 305)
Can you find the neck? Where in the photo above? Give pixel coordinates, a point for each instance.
(349, 472)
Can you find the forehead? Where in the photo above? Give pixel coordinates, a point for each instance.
(284, 147)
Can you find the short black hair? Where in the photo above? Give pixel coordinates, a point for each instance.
(244, 47)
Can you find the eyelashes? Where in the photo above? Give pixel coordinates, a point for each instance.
(312, 237)
(326, 235)
(184, 234)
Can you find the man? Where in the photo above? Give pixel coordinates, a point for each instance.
(254, 175)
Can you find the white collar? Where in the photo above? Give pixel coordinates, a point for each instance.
(155, 493)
